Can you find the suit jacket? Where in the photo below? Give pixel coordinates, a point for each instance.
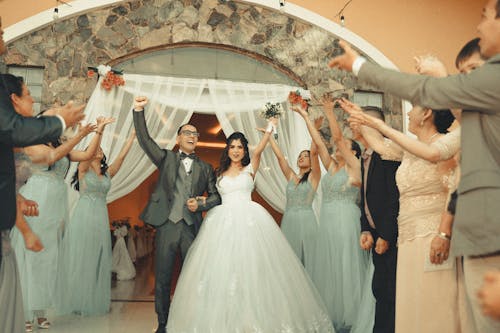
(158, 208)
(476, 229)
(383, 198)
(18, 131)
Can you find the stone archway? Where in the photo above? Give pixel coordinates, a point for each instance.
(68, 46)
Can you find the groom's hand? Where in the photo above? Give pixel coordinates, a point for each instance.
(139, 103)
(192, 204)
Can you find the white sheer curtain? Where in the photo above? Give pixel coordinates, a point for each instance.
(172, 102)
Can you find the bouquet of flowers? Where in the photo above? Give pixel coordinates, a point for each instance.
(112, 77)
(272, 110)
(295, 98)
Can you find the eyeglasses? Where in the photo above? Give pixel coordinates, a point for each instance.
(190, 133)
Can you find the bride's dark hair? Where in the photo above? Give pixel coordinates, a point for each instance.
(225, 161)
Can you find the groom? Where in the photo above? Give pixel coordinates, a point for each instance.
(173, 208)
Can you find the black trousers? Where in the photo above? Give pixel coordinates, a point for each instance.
(384, 289)
(170, 238)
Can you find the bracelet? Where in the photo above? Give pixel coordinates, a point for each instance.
(444, 236)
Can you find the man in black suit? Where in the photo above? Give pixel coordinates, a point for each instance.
(379, 227)
(174, 208)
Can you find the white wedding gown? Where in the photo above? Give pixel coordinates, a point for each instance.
(242, 276)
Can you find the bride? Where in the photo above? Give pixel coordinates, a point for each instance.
(241, 275)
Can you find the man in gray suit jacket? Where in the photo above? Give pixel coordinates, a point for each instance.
(476, 230)
(173, 207)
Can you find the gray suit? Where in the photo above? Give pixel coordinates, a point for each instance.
(476, 229)
(176, 226)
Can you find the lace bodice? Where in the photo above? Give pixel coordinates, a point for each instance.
(423, 189)
(95, 186)
(238, 188)
(299, 195)
(338, 187)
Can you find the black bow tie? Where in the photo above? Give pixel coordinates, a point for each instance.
(191, 156)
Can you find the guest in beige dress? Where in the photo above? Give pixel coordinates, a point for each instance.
(426, 294)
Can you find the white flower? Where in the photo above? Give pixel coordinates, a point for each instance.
(103, 69)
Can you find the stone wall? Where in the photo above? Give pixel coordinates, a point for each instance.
(67, 47)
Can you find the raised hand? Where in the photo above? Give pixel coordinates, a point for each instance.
(103, 121)
(300, 110)
(430, 65)
(140, 102)
(71, 114)
(345, 60)
(83, 131)
(318, 122)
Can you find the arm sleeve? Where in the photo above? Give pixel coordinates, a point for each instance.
(476, 91)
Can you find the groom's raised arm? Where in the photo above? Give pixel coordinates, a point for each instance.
(150, 147)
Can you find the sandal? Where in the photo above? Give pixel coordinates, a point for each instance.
(28, 326)
(44, 324)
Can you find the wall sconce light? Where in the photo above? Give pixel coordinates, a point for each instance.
(55, 14)
(342, 21)
(282, 3)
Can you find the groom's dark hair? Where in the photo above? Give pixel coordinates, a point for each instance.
(179, 130)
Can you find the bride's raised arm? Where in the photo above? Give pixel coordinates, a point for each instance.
(262, 144)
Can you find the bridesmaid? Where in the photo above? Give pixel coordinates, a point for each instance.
(47, 187)
(299, 224)
(84, 278)
(340, 265)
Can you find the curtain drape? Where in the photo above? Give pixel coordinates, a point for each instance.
(172, 101)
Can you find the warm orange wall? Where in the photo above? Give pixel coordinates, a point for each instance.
(133, 203)
(398, 28)
(402, 29)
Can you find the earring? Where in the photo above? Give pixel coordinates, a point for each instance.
(422, 123)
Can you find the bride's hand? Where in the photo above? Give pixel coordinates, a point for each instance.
(273, 121)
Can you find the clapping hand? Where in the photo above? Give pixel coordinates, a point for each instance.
(430, 65)
(71, 114)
